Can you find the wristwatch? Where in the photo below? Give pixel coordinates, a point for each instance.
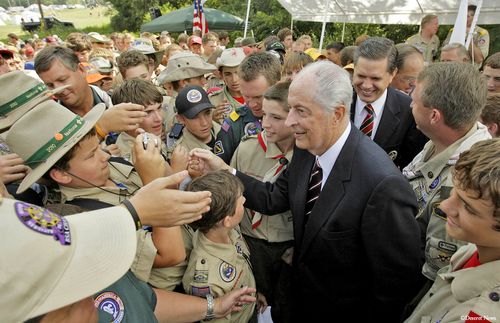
(210, 307)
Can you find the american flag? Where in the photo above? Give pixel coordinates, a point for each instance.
(199, 21)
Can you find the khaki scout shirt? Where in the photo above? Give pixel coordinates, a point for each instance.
(217, 98)
(266, 165)
(189, 141)
(126, 144)
(481, 39)
(169, 277)
(460, 294)
(429, 50)
(217, 269)
(128, 182)
(431, 180)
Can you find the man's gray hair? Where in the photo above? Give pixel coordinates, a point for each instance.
(462, 52)
(331, 85)
(377, 48)
(455, 89)
(46, 57)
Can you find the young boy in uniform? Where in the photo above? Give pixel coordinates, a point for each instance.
(468, 290)
(219, 261)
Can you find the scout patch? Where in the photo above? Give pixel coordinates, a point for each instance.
(234, 116)
(393, 155)
(218, 149)
(194, 96)
(200, 276)
(251, 129)
(227, 272)
(225, 126)
(238, 248)
(200, 291)
(111, 303)
(436, 211)
(44, 221)
(447, 246)
(435, 183)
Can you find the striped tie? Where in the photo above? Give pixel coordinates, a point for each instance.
(314, 188)
(367, 125)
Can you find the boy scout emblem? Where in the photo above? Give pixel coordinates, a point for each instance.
(44, 221)
(218, 149)
(201, 276)
(111, 303)
(194, 96)
(227, 272)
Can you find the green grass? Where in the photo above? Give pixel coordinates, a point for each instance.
(81, 18)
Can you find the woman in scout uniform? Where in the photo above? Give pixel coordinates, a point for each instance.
(468, 289)
(265, 156)
(219, 261)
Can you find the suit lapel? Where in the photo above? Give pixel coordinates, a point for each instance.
(300, 193)
(333, 191)
(389, 121)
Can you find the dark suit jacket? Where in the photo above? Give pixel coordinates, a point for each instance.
(397, 130)
(359, 254)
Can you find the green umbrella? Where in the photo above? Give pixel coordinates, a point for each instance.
(182, 20)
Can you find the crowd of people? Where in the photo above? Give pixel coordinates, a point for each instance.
(162, 179)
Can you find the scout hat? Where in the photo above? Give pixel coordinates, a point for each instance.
(231, 57)
(103, 65)
(20, 93)
(43, 135)
(49, 261)
(98, 38)
(314, 53)
(145, 46)
(184, 65)
(249, 41)
(191, 100)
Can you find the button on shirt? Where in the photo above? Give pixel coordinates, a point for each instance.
(378, 108)
(329, 157)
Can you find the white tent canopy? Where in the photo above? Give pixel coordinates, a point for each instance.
(385, 11)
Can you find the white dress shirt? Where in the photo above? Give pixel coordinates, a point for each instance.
(378, 107)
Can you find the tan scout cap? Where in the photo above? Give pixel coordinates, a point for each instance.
(231, 57)
(184, 65)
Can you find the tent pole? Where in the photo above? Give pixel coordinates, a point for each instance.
(291, 24)
(324, 25)
(246, 19)
(343, 32)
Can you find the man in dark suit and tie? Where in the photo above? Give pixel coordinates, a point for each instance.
(379, 111)
(357, 252)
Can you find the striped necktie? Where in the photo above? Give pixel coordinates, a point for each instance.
(367, 125)
(314, 188)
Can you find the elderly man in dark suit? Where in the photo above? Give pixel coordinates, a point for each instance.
(357, 253)
(379, 111)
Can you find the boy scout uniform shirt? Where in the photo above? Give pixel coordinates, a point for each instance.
(431, 180)
(481, 39)
(217, 269)
(170, 277)
(462, 295)
(127, 300)
(126, 142)
(240, 122)
(429, 50)
(265, 164)
(128, 182)
(189, 141)
(219, 96)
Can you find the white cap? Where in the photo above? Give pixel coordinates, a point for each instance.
(231, 57)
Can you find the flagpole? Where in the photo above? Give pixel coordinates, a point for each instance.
(246, 19)
(327, 6)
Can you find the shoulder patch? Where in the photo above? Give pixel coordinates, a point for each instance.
(246, 137)
(225, 125)
(200, 291)
(214, 90)
(111, 303)
(234, 116)
(218, 148)
(227, 272)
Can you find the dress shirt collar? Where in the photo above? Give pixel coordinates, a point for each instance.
(378, 105)
(329, 157)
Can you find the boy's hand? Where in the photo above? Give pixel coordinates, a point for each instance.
(122, 117)
(159, 205)
(112, 149)
(179, 160)
(233, 301)
(204, 161)
(148, 162)
(12, 168)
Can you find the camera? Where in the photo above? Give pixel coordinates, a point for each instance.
(145, 140)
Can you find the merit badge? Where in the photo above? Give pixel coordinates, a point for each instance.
(393, 154)
(194, 96)
(200, 291)
(434, 183)
(251, 129)
(44, 221)
(227, 272)
(111, 303)
(218, 149)
(201, 276)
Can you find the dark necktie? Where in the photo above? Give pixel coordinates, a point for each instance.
(367, 125)
(314, 188)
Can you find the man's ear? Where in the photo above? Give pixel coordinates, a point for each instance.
(60, 176)
(436, 116)
(338, 115)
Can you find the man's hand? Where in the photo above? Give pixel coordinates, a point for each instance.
(158, 205)
(148, 162)
(233, 301)
(122, 117)
(12, 168)
(179, 160)
(204, 161)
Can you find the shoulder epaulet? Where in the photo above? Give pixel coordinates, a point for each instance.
(482, 31)
(214, 90)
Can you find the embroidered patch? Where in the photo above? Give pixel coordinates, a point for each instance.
(201, 276)
(227, 272)
(238, 248)
(435, 183)
(225, 126)
(218, 149)
(393, 155)
(447, 246)
(481, 42)
(44, 221)
(111, 303)
(234, 116)
(251, 129)
(194, 96)
(200, 291)
(436, 211)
